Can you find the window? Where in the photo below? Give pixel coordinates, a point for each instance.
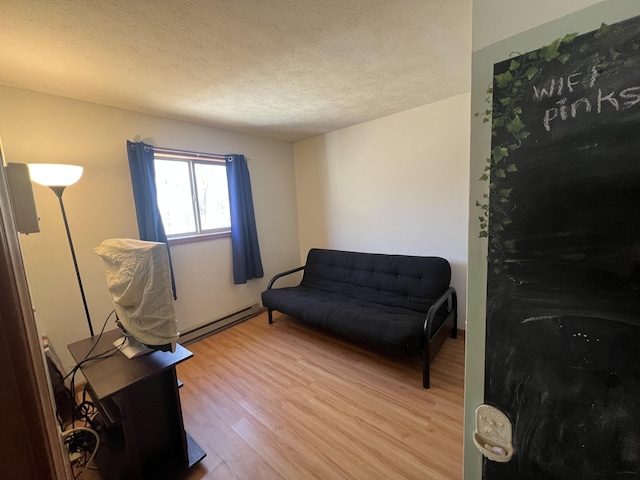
(193, 197)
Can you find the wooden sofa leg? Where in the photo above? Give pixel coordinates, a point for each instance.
(269, 313)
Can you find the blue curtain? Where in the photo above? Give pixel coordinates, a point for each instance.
(143, 179)
(244, 236)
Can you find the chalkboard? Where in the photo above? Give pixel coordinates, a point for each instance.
(563, 302)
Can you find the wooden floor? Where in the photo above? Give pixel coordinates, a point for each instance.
(284, 401)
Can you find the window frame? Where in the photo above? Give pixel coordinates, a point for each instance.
(199, 234)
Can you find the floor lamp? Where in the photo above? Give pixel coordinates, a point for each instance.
(57, 177)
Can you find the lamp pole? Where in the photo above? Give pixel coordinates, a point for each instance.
(58, 191)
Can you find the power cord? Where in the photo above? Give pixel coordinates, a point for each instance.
(74, 370)
(80, 441)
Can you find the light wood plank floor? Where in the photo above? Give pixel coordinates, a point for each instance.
(285, 401)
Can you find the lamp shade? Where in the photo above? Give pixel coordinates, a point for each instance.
(54, 175)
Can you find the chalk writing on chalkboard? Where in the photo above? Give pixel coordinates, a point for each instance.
(569, 108)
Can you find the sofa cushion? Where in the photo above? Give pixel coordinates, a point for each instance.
(409, 282)
(374, 323)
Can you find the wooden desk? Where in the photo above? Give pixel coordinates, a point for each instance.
(139, 404)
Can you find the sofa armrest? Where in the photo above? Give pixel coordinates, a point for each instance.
(448, 296)
(282, 274)
(433, 341)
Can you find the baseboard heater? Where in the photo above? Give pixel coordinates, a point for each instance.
(215, 326)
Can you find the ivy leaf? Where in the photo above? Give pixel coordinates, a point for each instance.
(515, 126)
(512, 168)
(550, 52)
(500, 173)
(503, 80)
(498, 153)
(568, 38)
(484, 177)
(483, 234)
(563, 58)
(476, 114)
(510, 246)
(505, 192)
(514, 65)
(533, 56)
(603, 30)
(532, 72)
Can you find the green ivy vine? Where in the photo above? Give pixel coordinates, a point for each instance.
(505, 99)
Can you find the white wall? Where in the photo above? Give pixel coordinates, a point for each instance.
(494, 24)
(47, 129)
(397, 184)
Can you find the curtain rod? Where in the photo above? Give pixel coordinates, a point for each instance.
(174, 151)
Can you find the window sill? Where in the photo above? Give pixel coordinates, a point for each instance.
(197, 238)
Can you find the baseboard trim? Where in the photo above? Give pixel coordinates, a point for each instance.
(215, 326)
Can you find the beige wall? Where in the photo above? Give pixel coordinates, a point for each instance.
(47, 129)
(397, 184)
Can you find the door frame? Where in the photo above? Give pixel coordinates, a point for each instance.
(23, 373)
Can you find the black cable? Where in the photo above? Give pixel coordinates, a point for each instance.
(86, 358)
(82, 442)
(86, 410)
(104, 325)
(109, 353)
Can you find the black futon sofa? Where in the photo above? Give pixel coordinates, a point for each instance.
(389, 301)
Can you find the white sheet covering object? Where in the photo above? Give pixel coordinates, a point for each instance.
(139, 279)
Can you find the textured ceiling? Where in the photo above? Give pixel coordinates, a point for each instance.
(284, 69)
